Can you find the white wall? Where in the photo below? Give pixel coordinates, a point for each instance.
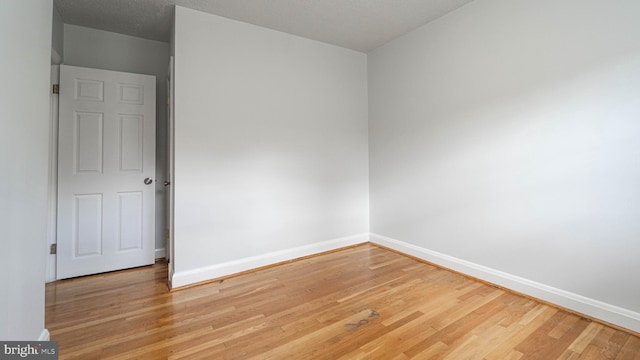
(25, 35)
(110, 51)
(506, 134)
(270, 146)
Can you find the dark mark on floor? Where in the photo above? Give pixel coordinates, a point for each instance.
(363, 321)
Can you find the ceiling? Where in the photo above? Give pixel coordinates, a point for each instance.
(361, 25)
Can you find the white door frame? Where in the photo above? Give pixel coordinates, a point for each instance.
(170, 169)
(52, 194)
(50, 275)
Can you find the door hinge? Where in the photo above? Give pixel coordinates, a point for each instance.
(56, 89)
(53, 249)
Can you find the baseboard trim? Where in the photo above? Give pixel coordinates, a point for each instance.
(44, 335)
(189, 277)
(160, 253)
(596, 309)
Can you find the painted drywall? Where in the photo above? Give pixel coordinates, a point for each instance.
(57, 38)
(505, 134)
(25, 33)
(110, 51)
(270, 143)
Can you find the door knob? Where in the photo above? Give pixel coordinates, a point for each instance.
(167, 183)
(148, 181)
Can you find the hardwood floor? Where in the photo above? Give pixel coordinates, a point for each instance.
(359, 303)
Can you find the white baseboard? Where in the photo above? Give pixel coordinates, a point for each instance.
(160, 253)
(594, 308)
(183, 278)
(44, 335)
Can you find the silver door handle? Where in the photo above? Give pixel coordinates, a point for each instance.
(167, 183)
(148, 181)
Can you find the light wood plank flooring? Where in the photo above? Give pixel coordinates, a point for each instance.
(363, 302)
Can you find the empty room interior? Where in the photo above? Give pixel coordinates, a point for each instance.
(321, 179)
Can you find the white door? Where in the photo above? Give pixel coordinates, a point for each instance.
(170, 167)
(106, 167)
